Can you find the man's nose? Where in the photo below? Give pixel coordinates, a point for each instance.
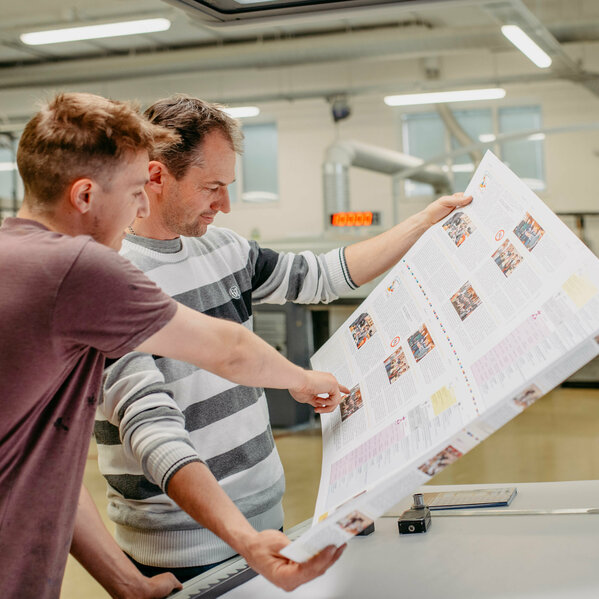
(223, 203)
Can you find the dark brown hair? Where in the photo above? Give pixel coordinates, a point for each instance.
(79, 135)
(192, 119)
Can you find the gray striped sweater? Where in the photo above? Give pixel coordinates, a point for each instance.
(158, 414)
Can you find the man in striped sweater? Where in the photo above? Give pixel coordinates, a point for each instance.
(160, 417)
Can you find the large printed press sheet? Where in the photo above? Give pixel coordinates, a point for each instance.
(490, 309)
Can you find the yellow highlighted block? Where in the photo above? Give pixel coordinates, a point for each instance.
(442, 399)
(579, 289)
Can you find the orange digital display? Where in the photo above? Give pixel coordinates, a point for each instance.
(355, 219)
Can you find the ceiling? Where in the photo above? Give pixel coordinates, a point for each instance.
(339, 30)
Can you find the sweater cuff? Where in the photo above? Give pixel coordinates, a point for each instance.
(167, 459)
(340, 279)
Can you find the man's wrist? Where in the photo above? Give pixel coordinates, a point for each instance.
(299, 380)
(422, 221)
(137, 585)
(244, 542)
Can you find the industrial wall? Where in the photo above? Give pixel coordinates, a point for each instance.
(306, 128)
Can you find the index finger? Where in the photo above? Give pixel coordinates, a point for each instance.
(460, 199)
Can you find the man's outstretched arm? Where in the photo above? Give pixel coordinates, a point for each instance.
(233, 352)
(370, 258)
(196, 491)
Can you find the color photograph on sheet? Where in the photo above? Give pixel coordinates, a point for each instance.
(362, 329)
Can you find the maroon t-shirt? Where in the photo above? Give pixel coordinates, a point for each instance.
(66, 303)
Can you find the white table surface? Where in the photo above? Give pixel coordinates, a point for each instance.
(530, 556)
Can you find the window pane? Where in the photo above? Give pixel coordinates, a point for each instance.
(8, 176)
(475, 123)
(524, 157)
(424, 137)
(260, 179)
(233, 188)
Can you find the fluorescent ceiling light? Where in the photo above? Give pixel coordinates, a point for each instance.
(8, 166)
(465, 95)
(486, 137)
(529, 48)
(91, 32)
(242, 112)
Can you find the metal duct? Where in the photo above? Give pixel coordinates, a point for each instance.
(457, 131)
(342, 155)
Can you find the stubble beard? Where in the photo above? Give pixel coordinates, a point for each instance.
(175, 223)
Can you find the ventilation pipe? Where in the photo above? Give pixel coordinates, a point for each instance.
(457, 131)
(343, 154)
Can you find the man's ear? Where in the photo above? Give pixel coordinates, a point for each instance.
(80, 195)
(157, 174)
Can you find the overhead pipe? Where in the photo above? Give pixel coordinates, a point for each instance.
(412, 173)
(457, 131)
(342, 155)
